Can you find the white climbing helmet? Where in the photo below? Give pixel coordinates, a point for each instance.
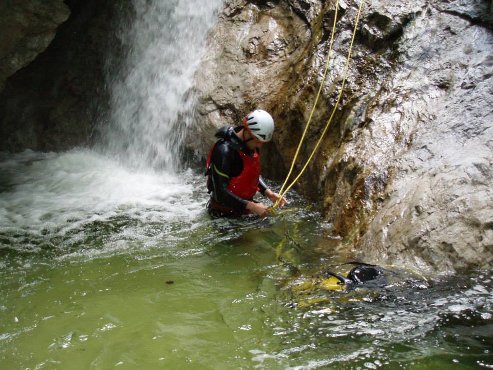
(260, 124)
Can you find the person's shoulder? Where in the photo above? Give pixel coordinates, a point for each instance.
(224, 147)
(224, 132)
(228, 139)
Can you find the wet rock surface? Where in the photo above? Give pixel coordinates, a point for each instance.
(53, 102)
(405, 169)
(438, 211)
(251, 61)
(27, 28)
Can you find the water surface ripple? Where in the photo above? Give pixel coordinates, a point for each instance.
(102, 266)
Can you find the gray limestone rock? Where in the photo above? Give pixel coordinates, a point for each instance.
(26, 29)
(405, 171)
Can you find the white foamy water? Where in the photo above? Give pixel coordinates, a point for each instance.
(61, 192)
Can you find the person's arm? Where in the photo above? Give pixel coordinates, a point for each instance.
(273, 196)
(260, 209)
(262, 186)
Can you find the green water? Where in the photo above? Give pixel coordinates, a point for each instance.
(215, 298)
(121, 311)
(103, 271)
(195, 303)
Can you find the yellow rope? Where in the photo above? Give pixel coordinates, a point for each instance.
(346, 69)
(316, 101)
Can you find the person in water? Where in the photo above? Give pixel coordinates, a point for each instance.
(233, 168)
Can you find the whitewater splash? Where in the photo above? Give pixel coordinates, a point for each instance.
(152, 104)
(49, 199)
(46, 198)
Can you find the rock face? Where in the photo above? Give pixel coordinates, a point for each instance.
(53, 102)
(438, 210)
(252, 59)
(27, 28)
(405, 171)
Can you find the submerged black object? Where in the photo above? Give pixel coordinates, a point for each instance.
(361, 273)
(364, 273)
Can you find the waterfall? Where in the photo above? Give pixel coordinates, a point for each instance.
(151, 105)
(54, 197)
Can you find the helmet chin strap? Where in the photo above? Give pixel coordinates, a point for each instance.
(247, 129)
